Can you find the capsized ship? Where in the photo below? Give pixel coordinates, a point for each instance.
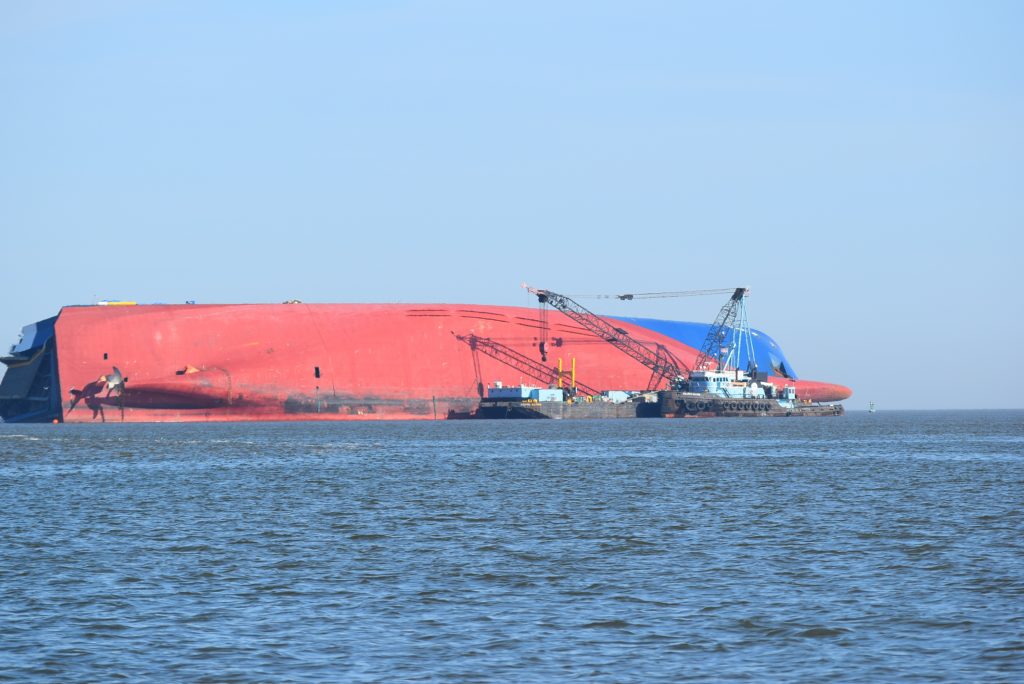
(295, 361)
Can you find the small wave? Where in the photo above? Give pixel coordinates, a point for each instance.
(822, 632)
(189, 548)
(607, 624)
(206, 616)
(1012, 650)
(96, 627)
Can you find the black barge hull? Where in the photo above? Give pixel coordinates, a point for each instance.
(563, 410)
(673, 404)
(669, 405)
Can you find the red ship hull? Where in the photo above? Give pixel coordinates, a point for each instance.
(245, 362)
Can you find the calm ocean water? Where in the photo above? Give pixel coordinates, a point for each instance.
(886, 547)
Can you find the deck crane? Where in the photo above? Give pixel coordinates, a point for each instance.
(663, 364)
(728, 336)
(510, 357)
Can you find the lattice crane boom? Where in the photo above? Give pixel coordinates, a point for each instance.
(719, 331)
(521, 362)
(661, 361)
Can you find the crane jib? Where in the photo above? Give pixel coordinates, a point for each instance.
(661, 362)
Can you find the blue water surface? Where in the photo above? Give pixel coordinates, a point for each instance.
(885, 547)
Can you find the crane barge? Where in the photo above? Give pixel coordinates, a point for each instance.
(564, 396)
(714, 385)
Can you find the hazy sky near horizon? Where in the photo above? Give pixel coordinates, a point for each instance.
(858, 165)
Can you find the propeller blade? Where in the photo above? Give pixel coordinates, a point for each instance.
(115, 380)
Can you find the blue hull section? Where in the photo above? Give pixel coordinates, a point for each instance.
(767, 352)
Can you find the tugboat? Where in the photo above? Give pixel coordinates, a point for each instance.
(737, 394)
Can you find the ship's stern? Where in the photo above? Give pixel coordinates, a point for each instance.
(30, 391)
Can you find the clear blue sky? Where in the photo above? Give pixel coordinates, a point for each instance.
(858, 165)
